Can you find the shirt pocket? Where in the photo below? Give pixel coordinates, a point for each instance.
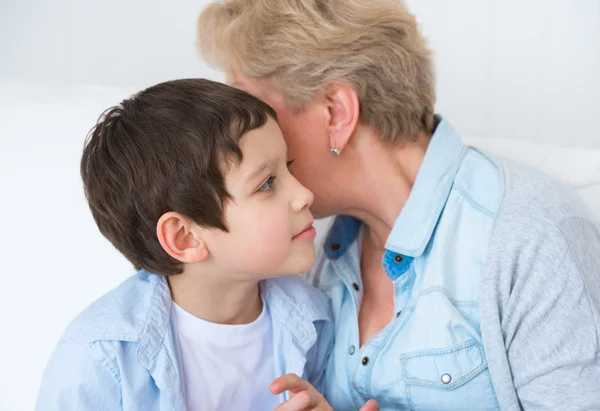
(455, 378)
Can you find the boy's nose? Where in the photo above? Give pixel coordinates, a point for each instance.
(303, 198)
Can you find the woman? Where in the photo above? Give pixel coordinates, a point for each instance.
(457, 280)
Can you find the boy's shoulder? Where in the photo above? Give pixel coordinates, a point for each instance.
(121, 314)
(295, 296)
(117, 351)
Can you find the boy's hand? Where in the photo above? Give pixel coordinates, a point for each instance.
(304, 397)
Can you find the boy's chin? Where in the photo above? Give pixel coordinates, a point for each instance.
(298, 265)
(305, 265)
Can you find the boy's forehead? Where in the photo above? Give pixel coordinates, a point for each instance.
(265, 140)
(259, 147)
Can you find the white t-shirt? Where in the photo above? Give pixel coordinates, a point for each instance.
(227, 367)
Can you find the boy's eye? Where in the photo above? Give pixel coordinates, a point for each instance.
(268, 184)
(289, 163)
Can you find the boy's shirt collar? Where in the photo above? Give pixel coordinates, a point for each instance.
(295, 315)
(158, 348)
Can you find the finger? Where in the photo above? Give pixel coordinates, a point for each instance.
(289, 382)
(371, 405)
(307, 399)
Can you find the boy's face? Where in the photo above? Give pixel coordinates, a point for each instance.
(270, 225)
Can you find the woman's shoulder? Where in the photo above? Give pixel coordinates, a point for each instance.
(540, 295)
(543, 237)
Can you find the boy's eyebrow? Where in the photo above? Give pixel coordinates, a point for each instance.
(259, 170)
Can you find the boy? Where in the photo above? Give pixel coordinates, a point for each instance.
(189, 180)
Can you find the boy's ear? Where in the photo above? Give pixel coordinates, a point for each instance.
(178, 237)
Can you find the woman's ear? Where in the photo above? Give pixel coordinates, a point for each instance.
(180, 238)
(343, 112)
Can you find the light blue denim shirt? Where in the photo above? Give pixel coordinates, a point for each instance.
(122, 352)
(431, 354)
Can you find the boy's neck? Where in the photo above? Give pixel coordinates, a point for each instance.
(223, 302)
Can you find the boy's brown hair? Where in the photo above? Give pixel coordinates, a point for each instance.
(162, 150)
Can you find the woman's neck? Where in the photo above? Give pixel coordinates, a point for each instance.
(379, 181)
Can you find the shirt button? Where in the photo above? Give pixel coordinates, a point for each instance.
(351, 350)
(398, 259)
(365, 360)
(446, 378)
(335, 246)
(355, 286)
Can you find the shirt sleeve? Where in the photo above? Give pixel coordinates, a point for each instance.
(75, 380)
(549, 314)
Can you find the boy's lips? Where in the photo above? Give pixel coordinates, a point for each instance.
(307, 232)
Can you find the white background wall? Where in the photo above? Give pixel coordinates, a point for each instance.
(110, 42)
(521, 69)
(507, 68)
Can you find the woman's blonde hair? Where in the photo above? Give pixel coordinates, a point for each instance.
(304, 45)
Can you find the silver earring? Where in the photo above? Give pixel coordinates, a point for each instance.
(335, 151)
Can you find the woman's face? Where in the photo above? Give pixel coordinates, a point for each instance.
(306, 135)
